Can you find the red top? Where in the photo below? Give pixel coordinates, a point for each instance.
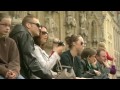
(109, 57)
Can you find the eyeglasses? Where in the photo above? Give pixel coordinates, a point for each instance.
(37, 24)
(6, 25)
(43, 32)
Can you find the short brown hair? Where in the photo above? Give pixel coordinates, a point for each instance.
(88, 52)
(98, 51)
(28, 18)
(4, 15)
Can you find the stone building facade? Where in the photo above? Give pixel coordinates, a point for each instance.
(94, 26)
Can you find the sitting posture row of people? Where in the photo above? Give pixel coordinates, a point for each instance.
(23, 55)
(94, 64)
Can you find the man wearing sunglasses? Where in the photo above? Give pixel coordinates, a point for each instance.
(23, 35)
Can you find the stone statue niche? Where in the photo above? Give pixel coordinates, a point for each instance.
(83, 25)
(94, 34)
(52, 28)
(70, 23)
(51, 12)
(16, 18)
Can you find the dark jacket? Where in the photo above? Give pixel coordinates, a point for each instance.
(103, 69)
(67, 59)
(9, 56)
(29, 64)
(87, 70)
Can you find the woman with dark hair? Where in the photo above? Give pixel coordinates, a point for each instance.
(69, 57)
(46, 61)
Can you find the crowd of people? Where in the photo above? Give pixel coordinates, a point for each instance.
(23, 55)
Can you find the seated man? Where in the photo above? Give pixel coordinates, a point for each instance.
(102, 63)
(9, 54)
(23, 35)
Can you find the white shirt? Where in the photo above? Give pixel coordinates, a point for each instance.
(44, 59)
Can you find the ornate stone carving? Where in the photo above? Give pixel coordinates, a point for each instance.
(16, 21)
(52, 29)
(94, 34)
(52, 12)
(70, 23)
(83, 25)
(51, 25)
(16, 18)
(109, 36)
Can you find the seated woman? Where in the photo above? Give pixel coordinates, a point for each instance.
(69, 57)
(46, 61)
(89, 63)
(59, 46)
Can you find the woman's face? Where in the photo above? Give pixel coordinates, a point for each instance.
(92, 58)
(79, 45)
(44, 35)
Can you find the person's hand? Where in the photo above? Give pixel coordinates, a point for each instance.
(98, 73)
(59, 49)
(11, 74)
(94, 64)
(106, 64)
(114, 59)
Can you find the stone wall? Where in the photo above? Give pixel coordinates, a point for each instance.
(94, 26)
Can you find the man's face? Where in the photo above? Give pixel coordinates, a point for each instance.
(102, 57)
(34, 26)
(44, 35)
(5, 25)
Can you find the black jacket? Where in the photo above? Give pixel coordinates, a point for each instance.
(67, 59)
(87, 70)
(29, 64)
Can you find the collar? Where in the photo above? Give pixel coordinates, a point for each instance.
(3, 38)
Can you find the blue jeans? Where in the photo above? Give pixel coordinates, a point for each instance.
(19, 77)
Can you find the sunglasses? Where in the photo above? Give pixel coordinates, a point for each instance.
(82, 43)
(37, 24)
(43, 32)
